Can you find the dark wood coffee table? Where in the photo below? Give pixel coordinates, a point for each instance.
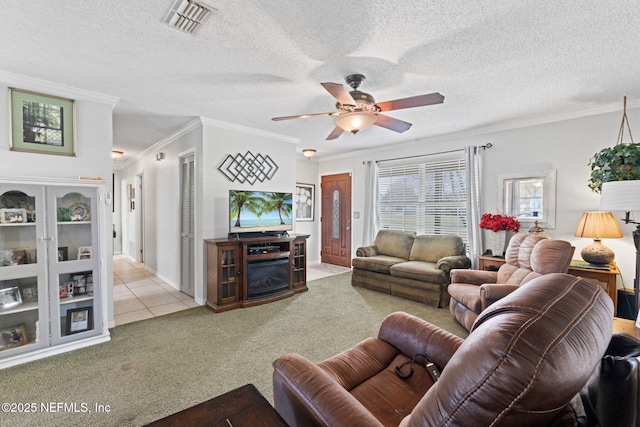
(244, 406)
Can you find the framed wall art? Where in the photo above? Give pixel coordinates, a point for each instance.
(42, 123)
(304, 201)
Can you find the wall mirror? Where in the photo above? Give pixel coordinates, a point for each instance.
(530, 197)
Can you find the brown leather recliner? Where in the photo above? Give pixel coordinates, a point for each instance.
(526, 358)
(526, 258)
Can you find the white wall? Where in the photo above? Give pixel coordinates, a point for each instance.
(211, 141)
(94, 138)
(307, 173)
(564, 145)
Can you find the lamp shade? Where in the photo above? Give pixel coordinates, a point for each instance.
(598, 225)
(620, 196)
(356, 121)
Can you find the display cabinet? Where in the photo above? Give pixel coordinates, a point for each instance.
(52, 293)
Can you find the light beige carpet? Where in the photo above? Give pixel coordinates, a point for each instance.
(159, 366)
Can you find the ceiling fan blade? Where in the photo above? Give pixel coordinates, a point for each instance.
(339, 92)
(335, 133)
(304, 116)
(391, 123)
(414, 101)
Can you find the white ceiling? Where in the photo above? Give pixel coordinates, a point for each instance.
(495, 61)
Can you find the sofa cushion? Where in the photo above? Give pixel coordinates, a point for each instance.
(378, 263)
(418, 270)
(434, 247)
(394, 243)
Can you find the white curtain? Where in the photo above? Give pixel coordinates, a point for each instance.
(370, 202)
(473, 159)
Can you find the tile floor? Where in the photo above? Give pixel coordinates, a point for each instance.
(139, 294)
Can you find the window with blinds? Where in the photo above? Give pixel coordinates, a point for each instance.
(427, 197)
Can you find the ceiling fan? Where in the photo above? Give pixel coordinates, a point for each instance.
(358, 110)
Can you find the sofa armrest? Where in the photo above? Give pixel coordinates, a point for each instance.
(492, 292)
(448, 263)
(473, 277)
(305, 395)
(412, 335)
(367, 251)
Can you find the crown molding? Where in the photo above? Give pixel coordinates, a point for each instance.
(247, 130)
(611, 107)
(32, 84)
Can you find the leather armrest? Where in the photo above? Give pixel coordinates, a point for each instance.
(473, 277)
(448, 263)
(492, 292)
(412, 335)
(304, 394)
(367, 251)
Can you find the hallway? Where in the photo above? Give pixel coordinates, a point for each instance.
(139, 294)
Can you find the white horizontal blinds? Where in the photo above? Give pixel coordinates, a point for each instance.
(427, 197)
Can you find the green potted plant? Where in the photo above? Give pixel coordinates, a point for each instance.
(618, 163)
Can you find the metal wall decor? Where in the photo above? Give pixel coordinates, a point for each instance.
(248, 167)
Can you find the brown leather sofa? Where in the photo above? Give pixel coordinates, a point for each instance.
(526, 258)
(526, 358)
(409, 266)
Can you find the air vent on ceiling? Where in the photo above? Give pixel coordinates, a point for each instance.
(188, 15)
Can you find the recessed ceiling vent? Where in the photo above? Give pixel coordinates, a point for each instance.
(188, 15)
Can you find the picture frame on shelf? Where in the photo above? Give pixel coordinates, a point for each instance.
(79, 284)
(10, 297)
(90, 283)
(84, 252)
(13, 336)
(42, 123)
(22, 255)
(29, 293)
(304, 202)
(79, 320)
(63, 253)
(6, 258)
(65, 290)
(13, 216)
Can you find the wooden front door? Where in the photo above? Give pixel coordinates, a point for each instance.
(336, 219)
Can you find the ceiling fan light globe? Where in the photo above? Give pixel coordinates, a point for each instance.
(356, 121)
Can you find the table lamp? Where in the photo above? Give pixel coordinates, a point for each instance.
(598, 225)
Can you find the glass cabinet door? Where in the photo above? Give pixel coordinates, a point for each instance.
(228, 283)
(73, 263)
(23, 308)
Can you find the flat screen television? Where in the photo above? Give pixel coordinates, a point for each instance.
(260, 211)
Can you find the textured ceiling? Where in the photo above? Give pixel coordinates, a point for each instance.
(496, 61)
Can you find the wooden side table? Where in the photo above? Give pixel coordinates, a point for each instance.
(606, 277)
(577, 268)
(626, 326)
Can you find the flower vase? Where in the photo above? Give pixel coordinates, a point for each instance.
(496, 241)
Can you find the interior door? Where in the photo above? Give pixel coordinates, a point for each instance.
(187, 263)
(336, 219)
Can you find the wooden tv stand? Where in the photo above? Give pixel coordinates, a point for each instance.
(229, 261)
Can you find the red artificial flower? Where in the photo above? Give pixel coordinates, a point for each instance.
(499, 222)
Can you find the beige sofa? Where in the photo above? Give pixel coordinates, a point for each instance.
(409, 266)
